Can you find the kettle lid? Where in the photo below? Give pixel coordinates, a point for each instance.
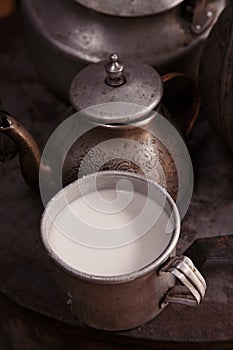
(129, 8)
(102, 83)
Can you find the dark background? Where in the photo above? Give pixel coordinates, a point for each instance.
(32, 315)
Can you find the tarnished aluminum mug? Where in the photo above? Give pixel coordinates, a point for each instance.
(118, 279)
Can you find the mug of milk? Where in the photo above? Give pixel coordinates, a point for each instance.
(113, 237)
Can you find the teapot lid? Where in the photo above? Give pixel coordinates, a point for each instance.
(134, 83)
(129, 8)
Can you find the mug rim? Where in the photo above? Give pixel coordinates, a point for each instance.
(116, 279)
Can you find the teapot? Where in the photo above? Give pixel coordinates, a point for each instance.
(121, 124)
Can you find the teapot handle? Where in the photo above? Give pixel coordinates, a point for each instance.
(29, 153)
(196, 97)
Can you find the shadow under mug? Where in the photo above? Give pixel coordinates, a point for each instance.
(128, 300)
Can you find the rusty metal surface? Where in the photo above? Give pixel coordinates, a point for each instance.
(26, 273)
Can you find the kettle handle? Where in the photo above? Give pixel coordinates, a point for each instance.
(29, 153)
(196, 97)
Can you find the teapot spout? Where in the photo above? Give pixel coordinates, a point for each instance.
(29, 153)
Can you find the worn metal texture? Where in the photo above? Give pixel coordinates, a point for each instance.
(123, 302)
(216, 77)
(89, 87)
(26, 272)
(64, 36)
(129, 8)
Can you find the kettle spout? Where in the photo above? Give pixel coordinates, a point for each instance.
(29, 153)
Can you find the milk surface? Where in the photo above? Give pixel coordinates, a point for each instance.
(109, 233)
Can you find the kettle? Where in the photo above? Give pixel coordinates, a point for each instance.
(166, 34)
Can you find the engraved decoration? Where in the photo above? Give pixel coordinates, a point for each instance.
(142, 157)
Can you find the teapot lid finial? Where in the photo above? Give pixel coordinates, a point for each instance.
(115, 71)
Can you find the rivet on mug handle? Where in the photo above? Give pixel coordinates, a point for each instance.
(194, 285)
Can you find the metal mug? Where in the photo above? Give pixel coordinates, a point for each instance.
(124, 301)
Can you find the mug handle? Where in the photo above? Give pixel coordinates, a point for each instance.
(196, 97)
(194, 286)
